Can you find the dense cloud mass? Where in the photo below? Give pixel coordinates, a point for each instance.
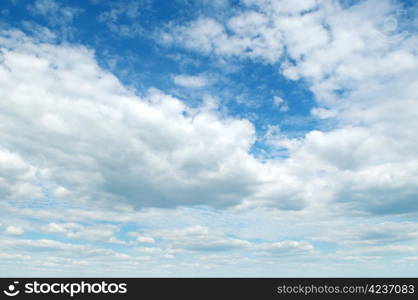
(96, 140)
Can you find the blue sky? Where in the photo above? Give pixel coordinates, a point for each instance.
(208, 138)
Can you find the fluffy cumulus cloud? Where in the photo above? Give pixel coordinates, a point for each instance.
(360, 71)
(94, 139)
(91, 139)
(18, 178)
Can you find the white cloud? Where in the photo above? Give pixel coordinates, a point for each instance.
(281, 104)
(103, 233)
(278, 100)
(62, 252)
(145, 239)
(209, 36)
(54, 11)
(286, 248)
(119, 11)
(191, 81)
(44, 7)
(150, 250)
(55, 228)
(130, 10)
(384, 233)
(17, 177)
(323, 113)
(200, 238)
(40, 32)
(14, 230)
(264, 248)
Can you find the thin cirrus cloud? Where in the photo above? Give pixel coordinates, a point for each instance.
(198, 81)
(55, 12)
